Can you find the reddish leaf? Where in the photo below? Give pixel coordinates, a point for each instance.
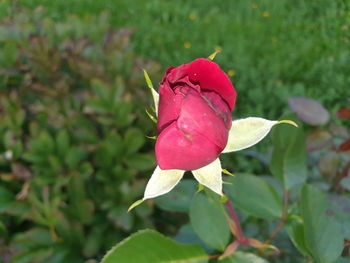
(345, 146)
(344, 114)
(317, 140)
(309, 111)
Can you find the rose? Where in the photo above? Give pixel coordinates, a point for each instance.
(194, 115)
(194, 127)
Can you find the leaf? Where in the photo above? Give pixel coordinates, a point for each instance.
(345, 146)
(179, 198)
(245, 133)
(288, 159)
(344, 114)
(323, 234)
(209, 222)
(140, 161)
(242, 257)
(345, 182)
(150, 246)
(340, 209)
(6, 198)
(317, 140)
(133, 140)
(309, 111)
(255, 196)
(295, 231)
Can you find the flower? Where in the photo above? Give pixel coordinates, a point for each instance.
(194, 126)
(194, 115)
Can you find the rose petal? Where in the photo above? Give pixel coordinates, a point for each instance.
(208, 76)
(162, 182)
(247, 132)
(199, 115)
(176, 149)
(210, 176)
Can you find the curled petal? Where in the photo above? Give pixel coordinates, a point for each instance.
(210, 176)
(245, 133)
(162, 182)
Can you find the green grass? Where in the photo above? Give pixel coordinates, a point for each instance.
(277, 49)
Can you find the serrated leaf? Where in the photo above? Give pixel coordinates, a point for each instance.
(150, 246)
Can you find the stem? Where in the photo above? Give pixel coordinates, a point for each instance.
(283, 219)
(240, 235)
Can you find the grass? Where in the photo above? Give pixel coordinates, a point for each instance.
(272, 49)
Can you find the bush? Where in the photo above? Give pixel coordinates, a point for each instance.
(73, 136)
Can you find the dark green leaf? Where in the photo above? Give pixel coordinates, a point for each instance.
(209, 222)
(288, 160)
(178, 198)
(323, 235)
(255, 196)
(140, 161)
(149, 246)
(133, 140)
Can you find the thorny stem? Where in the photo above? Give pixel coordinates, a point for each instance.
(283, 219)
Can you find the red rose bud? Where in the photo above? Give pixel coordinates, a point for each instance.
(194, 115)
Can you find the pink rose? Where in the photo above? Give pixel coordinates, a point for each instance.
(194, 115)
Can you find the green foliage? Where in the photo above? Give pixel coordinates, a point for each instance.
(150, 246)
(323, 237)
(206, 212)
(247, 189)
(73, 151)
(72, 131)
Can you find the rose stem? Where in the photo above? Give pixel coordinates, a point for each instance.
(240, 235)
(283, 219)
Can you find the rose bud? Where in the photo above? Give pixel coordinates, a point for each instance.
(194, 115)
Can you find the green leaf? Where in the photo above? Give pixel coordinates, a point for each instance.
(322, 233)
(6, 198)
(133, 140)
(62, 143)
(150, 246)
(241, 257)
(288, 160)
(255, 196)
(178, 198)
(140, 161)
(295, 231)
(209, 222)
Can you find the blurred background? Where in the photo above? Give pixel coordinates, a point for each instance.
(73, 148)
